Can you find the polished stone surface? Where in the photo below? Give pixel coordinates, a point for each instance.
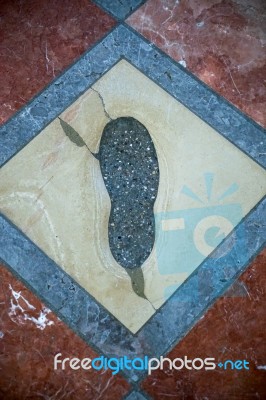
(221, 42)
(233, 328)
(38, 41)
(60, 292)
(30, 336)
(64, 206)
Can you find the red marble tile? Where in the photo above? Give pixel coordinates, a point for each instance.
(30, 336)
(234, 328)
(220, 41)
(38, 39)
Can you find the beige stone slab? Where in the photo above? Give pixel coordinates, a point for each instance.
(53, 190)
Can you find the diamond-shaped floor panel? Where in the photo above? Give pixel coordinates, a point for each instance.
(54, 191)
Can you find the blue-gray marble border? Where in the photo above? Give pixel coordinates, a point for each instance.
(135, 395)
(59, 291)
(120, 9)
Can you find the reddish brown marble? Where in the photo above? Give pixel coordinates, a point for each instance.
(220, 41)
(38, 39)
(234, 328)
(27, 352)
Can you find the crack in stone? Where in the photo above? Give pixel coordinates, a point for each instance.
(103, 104)
(138, 283)
(74, 136)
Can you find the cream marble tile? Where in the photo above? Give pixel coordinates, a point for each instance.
(54, 191)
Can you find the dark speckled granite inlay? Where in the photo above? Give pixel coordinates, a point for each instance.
(130, 171)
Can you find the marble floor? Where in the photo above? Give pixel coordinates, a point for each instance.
(132, 196)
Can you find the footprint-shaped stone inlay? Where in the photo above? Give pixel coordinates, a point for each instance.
(130, 170)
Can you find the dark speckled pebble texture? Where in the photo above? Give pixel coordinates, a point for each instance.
(130, 171)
